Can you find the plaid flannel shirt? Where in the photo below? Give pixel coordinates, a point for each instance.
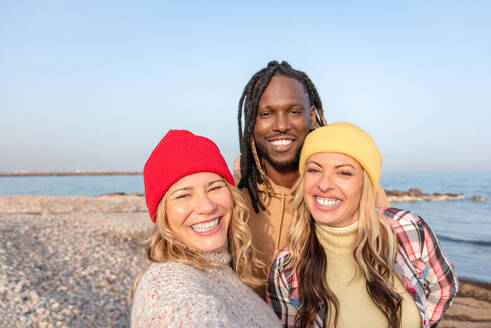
(427, 274)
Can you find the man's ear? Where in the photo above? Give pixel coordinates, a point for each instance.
(312, 117)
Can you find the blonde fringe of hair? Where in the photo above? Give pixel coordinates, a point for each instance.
(162, 246)
(299, 231)
(375, 247)
(375, 238)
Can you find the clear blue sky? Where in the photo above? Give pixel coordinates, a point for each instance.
(94, 85)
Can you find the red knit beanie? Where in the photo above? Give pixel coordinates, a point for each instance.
(178, 154)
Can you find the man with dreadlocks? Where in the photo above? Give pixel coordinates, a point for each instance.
(280, 106)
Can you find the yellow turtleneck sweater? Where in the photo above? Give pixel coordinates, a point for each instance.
(356, 307)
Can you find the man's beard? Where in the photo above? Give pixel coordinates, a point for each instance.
(289, 166)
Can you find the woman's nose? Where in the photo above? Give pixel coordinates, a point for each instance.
(325, 183)
(206, 205)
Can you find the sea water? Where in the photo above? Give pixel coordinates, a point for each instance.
(71, 185)
(462, 226)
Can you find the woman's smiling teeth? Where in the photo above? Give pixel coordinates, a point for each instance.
(282, 142)
(327, 202)
(204, 227)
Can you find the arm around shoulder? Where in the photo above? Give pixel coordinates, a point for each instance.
(282, 290)
(439, 274)
(425, 259)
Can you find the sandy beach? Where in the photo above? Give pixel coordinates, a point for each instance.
(72, 261)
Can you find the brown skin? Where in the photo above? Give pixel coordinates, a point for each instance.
(284, 118)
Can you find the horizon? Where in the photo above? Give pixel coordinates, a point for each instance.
(94, 86)
(102, 172)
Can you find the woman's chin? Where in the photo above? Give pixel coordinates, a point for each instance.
(210, 245)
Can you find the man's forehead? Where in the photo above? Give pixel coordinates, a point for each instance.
(288, 80)
(284, 89)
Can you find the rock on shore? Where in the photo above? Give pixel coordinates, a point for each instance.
(72, 262)
(415, 195)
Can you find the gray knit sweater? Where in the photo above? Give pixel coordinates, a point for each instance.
(173, 294)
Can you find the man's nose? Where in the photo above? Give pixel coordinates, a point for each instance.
(281, 122)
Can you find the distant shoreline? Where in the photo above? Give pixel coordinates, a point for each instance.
(51, 174)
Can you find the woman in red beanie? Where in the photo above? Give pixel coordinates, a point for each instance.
(200, 252)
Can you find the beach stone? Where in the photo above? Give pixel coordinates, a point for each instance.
(415, 195)
(415, 192)
(45, 325)
(396, 193)
(113, 194)
(19, 287)
(110, 278)
(478, 198)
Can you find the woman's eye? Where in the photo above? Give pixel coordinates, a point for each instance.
(182, 196)
(312, 170)
(216, 187)
(346, 173)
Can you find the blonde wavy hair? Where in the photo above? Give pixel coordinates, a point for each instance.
(375, 250)
(163, 246)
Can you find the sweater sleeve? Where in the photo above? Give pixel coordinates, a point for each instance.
(171, 295)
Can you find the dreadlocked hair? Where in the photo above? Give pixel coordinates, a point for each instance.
(250, 166)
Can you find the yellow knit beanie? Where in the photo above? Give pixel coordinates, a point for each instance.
(348, 139)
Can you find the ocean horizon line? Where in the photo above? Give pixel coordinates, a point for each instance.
(68, 173)
(21, 173)
(432, 171)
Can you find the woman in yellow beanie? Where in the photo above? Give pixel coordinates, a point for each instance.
(349, 264)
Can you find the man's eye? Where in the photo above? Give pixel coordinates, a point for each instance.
(265, 114)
